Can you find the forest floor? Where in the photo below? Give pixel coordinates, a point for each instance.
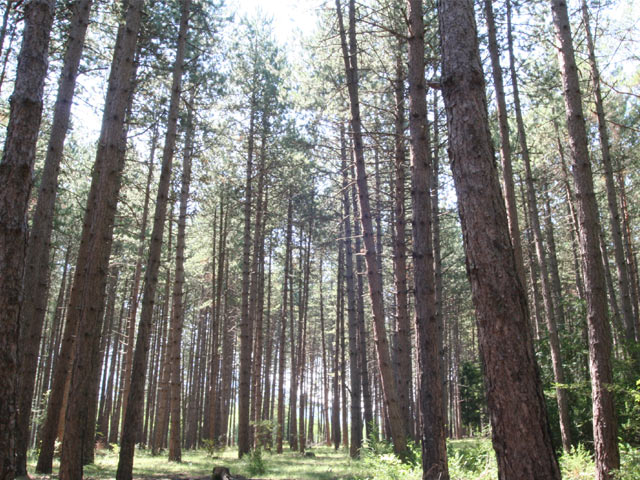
(469, 459)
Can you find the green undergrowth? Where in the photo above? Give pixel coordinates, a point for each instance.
(469, 459)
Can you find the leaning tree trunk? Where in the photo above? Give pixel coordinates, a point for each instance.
(505, 145)
(87, 294)
(521, 437)
(36, 284)
(374, 275)
(133, 413)
(16, 170)
(550, 312)
(614, 213)
(433, 434)
(604, 414)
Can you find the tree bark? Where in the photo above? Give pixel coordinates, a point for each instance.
(354, 371)
(614, 213)
(433, 435)
(283, 328)
(390, 393)
(177, 319)
(133, 413)
(36, 285)
(521, 437)
(16, 170)
(505, 145)
(403, 325)
(604, 414)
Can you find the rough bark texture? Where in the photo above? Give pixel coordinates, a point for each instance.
(551, 314)
(354, 370)
(374, 275)
(283, 330)
(36, 284)
(433, 435)
(505, 145)
(133, 414)
(604, 415)
(87, 294)
(177, 319)
(246, 323)
(403, 324)
(631, 335)
(16, 180)
(521, 437)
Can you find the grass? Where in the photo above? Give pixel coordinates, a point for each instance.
(469, 459)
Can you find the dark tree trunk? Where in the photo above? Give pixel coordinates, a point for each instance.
(87, 295)
(521, 437)
(604, 415)
(133, 414)
(374, 275)
(16, 170)
(36, 285)
(177, 319)
(354, 370)
(403, 324)
(433, 435)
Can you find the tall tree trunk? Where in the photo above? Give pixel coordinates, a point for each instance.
(374, 275)
(604, 415)
(354, 370)
(547, 296)
(335, 412)
(283, 327)
(521, 438)
(87, 295)
(433, 435)
(16, 180)
(246, 324)
(403, 325)
(325, 372)
(133, 413)
(614, 213)
(177, 319)
(36, 285)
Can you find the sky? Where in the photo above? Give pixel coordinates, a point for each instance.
(291, 18)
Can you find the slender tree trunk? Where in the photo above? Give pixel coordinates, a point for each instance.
(604, 415)
(325, 373)
(390, 393)
(246, 324)
(433, 435)
(521, 437)
(283, 328)
(177, 319)
(505, 145)
(87, 295)
(354, 370)
(133, 413)
(614, 213)
(36, 283)
(16, 170)
(403, 325)
(547, 297)
(335, 412)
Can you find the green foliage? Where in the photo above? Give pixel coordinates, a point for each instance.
(577, 464)
(629, 463)
(472, 459)
(472, 394)
(213, 448)
(254, 462)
